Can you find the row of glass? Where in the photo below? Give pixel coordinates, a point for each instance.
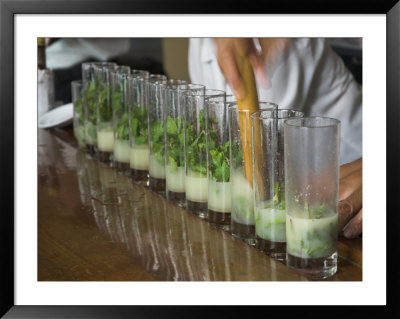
(194, 146)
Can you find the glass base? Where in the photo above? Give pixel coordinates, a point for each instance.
(157, 185)
(244, 232)
(176, 198)
(220, 220)
(90, 149)
(122, 167)
(314, 268)
(81, 145)
(197, 208)
(140, 176)
(276, 250)
(105, 157)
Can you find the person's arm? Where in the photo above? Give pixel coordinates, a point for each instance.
(270, 50)
(350, 199)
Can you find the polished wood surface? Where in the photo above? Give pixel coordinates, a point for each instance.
(96, 224)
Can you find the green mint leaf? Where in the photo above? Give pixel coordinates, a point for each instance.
(92, 131)
(140, 111)
(172, 127)
(117, 101)
(134, 126)
(157, 131)
(173, 164)
(225, 172)
(199, 169)
(320, 211)
(141, 140)
(179, 123)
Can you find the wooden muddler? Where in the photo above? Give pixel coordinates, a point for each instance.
(248, 103)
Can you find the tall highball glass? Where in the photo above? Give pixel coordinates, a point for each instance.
(218, 168)
(241, 176)
(138, 127)
(269, 181)
(174, 141)
(105, 135)
(91, 90)
(196, 182)
(120, 117)
(311, 186)
(155, 100)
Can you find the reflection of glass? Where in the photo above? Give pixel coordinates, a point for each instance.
(174, 142)
(268, 180)
(83, 178)
(120, 118)
(311, 187)
(79, 118)
(241, 177)
(138, 126)
(219, 186)
(91, 89)
(196, 183)
(155, 100)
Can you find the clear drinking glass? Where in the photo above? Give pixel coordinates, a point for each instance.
(91, 88)
(120, 117)
(105, 135)
(269, 180)
(174, 141)
(230, 99)
(138, 127)
(218, 168)
(155, 101)
(79, 118)
(241, 172)
(196, 182)
(311, 186)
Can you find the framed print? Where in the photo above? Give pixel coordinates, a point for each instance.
(172, 253)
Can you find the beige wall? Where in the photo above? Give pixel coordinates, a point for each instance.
(175, 56)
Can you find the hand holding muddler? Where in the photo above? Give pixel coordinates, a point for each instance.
(249, 102)
(238, 60)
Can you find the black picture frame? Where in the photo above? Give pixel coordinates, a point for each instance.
(8, 10)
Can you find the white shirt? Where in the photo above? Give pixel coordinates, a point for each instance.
(311, 78)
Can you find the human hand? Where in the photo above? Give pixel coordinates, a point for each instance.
(270, 50)
(350, 199)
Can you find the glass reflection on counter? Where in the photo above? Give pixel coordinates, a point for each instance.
(163, 238)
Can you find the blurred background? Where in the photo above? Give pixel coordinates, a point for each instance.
(168, 56)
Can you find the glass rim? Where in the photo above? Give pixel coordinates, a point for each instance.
(156, 82)
(137, 76)
(120, 69)
(157, 76)
(234, 106)
(257, 114)
(156, 79)
(327, 122)
(106, 69)
(137, 71)
(181, 88)
(77, 82)
(173, 84)
(220, 93)
(193, 85)
(105, 63)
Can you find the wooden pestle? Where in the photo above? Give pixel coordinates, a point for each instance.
(248, 103)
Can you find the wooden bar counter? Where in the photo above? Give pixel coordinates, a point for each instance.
(95, 224)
